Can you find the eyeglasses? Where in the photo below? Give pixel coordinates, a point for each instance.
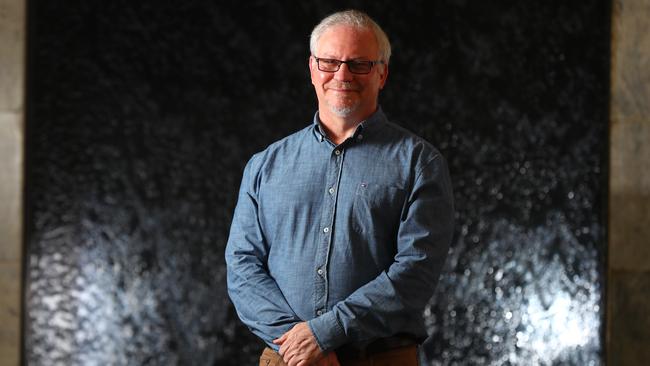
(355, 66)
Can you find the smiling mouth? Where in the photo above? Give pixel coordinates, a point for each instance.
(343, 90)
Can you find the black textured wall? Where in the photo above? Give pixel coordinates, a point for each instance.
(142, 114)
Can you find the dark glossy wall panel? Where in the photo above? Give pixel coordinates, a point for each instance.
(143, 114)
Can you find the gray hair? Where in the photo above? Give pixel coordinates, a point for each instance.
(356, 19)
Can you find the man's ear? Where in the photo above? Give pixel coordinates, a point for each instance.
(311, 61)
(312, 68)
(383, 76)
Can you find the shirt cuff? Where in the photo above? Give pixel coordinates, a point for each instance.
(328, 332)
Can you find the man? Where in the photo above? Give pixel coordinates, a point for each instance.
(341, 229)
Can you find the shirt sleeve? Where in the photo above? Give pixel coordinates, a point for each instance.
(396, 298)
(259, 302)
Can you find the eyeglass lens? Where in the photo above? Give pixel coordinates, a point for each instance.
(355, 67)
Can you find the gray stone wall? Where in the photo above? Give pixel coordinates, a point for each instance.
(12, 54)
(629, 190)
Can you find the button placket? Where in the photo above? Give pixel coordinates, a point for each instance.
(327, 221)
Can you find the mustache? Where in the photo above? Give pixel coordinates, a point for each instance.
(342, 85)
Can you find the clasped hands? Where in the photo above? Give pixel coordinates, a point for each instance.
(298, 347)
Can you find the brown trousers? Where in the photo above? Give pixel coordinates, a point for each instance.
(403, 356)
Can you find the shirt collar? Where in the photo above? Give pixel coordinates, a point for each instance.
(371, 123)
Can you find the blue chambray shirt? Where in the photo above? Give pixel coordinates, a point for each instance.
(350, 238)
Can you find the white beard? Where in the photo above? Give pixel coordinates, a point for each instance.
(343, 110)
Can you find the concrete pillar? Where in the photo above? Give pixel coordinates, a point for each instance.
(12, 60)
(628, 335)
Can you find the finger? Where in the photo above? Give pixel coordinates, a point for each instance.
(291, 358)
(281, 339)
(286, 350)
(283, 349)
(287, 355)
(292, 362)
(288, 345)
(301, 362)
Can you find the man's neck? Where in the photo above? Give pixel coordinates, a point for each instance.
(337, 128)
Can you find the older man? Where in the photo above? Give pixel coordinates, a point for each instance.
(341, 229)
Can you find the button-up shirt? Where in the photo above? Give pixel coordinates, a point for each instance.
(350, 238)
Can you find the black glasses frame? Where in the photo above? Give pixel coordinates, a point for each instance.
(352, 64)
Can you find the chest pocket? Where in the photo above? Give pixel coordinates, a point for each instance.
(376, 209)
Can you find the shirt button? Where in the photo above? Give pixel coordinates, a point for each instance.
(326, 230)
(331, 190)
(319, 312)
(337, 152)
(320, 271)
(360, 137)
